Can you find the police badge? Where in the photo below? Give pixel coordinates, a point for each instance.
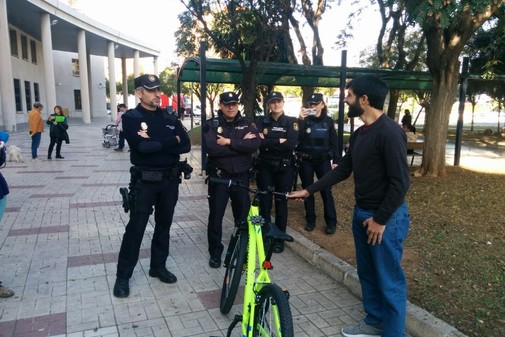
(219, 129)
(265, 131)
(308, 130)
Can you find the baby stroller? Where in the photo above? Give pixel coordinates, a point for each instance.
(110, 135)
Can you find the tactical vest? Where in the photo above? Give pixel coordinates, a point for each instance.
(315, 137)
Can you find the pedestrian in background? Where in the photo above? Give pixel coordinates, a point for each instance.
(35, 128)
(276, 161)
(4, 190)
(58, 127)
(121, 108)
(318, 153)
(230, 140)
(156, 140)
(381, 222)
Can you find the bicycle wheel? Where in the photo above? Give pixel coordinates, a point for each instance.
(234, 270)
(272, 315)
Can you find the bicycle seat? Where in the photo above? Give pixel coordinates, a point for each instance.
(276, 234)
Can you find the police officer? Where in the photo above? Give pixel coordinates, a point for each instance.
(276, 161)
(317, 150)
(156, 140)
(231, 140)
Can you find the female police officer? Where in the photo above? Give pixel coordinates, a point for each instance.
(156, 139)
(230, 140)
(275, 165)
(317, 149)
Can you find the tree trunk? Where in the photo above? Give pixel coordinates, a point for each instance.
(394, 95)
(437, 120)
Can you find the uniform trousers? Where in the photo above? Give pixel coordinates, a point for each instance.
(279, 181)
(306, 172)
(218, 197)
(163, 196)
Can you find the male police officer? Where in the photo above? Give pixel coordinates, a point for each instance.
(156, 140)
(231, 140)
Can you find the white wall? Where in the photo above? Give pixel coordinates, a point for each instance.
(66, 83)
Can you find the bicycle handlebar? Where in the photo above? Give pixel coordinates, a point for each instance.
(231, 182)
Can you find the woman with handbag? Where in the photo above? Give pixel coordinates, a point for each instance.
(58, 131)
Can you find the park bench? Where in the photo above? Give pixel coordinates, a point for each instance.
(414, 149)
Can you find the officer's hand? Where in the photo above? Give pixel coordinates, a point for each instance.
(223, 141)
(303, 113)
(178, 138)
(143, 134)
(282, 140)
(333, 166)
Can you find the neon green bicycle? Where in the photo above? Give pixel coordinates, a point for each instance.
(266, 310)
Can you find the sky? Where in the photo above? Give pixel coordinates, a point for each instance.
(155, 22)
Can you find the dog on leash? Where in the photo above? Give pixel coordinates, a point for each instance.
(14, 154)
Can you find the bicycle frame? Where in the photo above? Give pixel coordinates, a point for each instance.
(253, 283)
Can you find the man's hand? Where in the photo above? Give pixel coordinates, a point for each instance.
(298, 195)
(223, 141)
(283, 140)
(374, 231)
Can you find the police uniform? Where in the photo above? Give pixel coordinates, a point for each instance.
(316, 149)
(228, 162)
(276, 162)
(155, 178)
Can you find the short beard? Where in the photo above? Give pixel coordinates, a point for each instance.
(355, 110)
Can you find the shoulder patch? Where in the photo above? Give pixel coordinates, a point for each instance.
(295, 126)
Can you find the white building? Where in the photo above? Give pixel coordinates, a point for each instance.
(56, 56)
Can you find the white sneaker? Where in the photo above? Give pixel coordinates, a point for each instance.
(362, 330)
(36, 159)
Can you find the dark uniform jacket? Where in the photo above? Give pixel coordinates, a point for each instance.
(284, 127)
(318, 136)
(161, 149)
(237, 157)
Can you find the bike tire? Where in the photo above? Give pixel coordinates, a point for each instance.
(272, 301)
(234, 271)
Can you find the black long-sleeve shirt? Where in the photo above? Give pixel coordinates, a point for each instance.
(161, 149)
(377, 157)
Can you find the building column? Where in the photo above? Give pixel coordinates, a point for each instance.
(125, 82)
(136, 69)
(83, 75)
(7, 95)
(155, 65)
(112, 80)
(47, 53)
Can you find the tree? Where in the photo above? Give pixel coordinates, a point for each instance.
(447, 25)
(249, 31)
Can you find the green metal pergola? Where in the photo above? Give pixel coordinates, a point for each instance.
(208, 70)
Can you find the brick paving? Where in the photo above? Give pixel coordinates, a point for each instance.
(61, 233)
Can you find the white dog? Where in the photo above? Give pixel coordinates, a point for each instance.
(14, 153)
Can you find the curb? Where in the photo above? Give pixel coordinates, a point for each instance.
(420, 323)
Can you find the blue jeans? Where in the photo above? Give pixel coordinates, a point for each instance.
(35, 143)
(383, 283)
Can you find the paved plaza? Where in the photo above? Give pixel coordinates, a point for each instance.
(61, 233)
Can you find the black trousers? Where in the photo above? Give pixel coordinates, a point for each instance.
(163, 196)
(306, 172)
(279, 181)
(57, 141)
(218, 197)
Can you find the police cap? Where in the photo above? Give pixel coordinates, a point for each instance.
(228, 97)
(274, 96)
(147, 81)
